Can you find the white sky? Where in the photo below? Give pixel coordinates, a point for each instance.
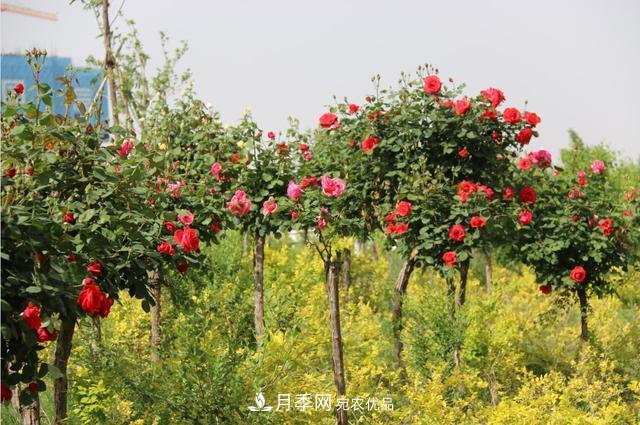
(576, 62)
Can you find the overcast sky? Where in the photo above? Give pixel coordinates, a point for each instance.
(577, 63)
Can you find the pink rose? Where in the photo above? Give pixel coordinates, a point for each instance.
(186, 219)
(597, 167)
(216, 169)
(294, 191)
(462, 106)
(332, 187)
(126, 147)
(239, 204)
(269, 206)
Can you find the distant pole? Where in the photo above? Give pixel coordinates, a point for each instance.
(109, 64)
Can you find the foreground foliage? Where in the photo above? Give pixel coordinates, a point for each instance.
(522, 362)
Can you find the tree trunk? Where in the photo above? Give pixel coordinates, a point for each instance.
(488, 271)
(346, 271)
(584, 310)
(109, 61)
(332, 284)
(29, 415)
(258, 281)
(461, 293)
(396, 310)
(63, 351)
(97, 337)
(156, 317)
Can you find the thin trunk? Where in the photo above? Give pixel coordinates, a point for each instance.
(488, 271)
(258, 280)
(493, 388)
(97, 341)
(461, 293)
(584, 310)
(156, 330)
(375, 251)
(396, 311)
(109, 61)
(63, 351)
(346, 271)
(31, 413)
(332, 284)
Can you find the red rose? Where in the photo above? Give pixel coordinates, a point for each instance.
(308, 181)
(303, 147)
(477, 222)
(216, 227)
(495, 96)
(328, 119)
(528, 195)
(353, 108)
(404, 208)
(165, 248)
(182, 267)
(607, 226)
(169, 226)
(31, 316)
(126, 147)
(271, 135)
(95, 269)
(71, 258)
(511, 116)
(105, 307)
(508, 193)
(575, 218)
(457, 232)
(462, 106)
(578, 274)
(462, 153)
(369, 144)
(487, 191)
(465, 189)
(33, 387)
(525, 217)
(19, 88)
(391, 228)
(188, 239)
(450, 258)
(391, 218)
(490, 114)
(432, 84)
(524, 136)
(524, 164)
(401, 228)
(545, 289)
(44, 335)
(235, 158)
(68, 218)
(532, 118)
(11, 172)
(91, 297)
(5, 392)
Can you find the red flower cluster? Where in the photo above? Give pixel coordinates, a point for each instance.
(329, 120)
(432, 84)
(403, 209)
(369, 144)
(607, 226)
(578, 274)
(92, 300)
(450, 258)
(457, 232)
(465, 189)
